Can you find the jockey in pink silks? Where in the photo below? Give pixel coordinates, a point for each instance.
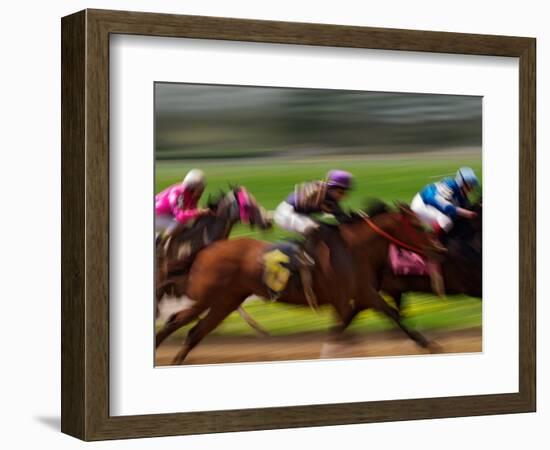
(178, 204)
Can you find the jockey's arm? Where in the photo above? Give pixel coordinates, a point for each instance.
(462, 212)
(334, 208)
(447, 208)
(186, 215)
(432, 197)
(181, 212)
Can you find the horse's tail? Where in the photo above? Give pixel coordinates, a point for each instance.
(251, 322)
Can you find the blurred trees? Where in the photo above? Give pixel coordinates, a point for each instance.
(201, 121)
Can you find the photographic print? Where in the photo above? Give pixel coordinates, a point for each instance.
(298, 224)
(312, 224)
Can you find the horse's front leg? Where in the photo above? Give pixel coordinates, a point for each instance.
(376, 301)
(345, 314)
(337, 343)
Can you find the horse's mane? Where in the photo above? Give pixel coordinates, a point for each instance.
(214, 200)
(374, 207)
(371, 207)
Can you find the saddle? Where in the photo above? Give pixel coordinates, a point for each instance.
(406, 263)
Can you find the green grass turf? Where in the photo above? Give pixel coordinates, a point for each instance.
(271, 180)
(423, 312)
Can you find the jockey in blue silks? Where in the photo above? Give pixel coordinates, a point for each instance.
(439, 203)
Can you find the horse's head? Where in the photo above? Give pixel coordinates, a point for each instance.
(250, 212)
(238, 205)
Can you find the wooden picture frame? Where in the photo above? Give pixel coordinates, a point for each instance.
(85, 224)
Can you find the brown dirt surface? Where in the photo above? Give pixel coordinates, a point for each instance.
(223, 349)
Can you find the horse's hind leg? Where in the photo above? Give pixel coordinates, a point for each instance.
(217, 313)
(178, 320)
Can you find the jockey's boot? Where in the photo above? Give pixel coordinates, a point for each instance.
(312, 239)
(307, 264)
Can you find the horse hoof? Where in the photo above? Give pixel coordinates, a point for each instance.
(178, 360)
(433, 347)
(330, 350)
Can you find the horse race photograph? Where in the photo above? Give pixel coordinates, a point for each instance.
(306, 224)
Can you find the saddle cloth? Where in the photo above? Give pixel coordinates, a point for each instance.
(280, 261)
(405, 262)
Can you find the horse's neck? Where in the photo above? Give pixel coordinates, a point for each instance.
(362, 234)
(460, 229)
(464, 230)
(469, 248)
(363, 240)
(219, 228)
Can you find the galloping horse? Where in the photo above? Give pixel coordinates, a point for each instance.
(461, 267)
(349, 261)
(176, 256)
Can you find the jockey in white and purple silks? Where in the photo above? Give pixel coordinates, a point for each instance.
(438, 204)
(314, 197)
(178, 204)
(310, 198)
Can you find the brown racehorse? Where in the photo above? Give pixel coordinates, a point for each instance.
(461, 266)
(236, 205)
(349, 261)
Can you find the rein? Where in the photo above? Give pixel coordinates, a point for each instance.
(391, 238)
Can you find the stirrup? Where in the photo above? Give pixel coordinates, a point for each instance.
(183, 250)
(308, 259)
(166, 240)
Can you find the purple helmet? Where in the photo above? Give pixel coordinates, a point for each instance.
(339, 178)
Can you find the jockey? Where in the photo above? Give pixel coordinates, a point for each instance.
(438, 204)
(293, 215)
(178, 204)
(313, 197)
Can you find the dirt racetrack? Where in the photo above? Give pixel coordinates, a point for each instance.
(223, 349)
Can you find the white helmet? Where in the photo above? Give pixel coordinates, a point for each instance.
(195, 178)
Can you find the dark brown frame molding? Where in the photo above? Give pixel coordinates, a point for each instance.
(85, 224)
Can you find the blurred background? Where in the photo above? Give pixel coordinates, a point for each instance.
(204, 121)
(269, 139)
